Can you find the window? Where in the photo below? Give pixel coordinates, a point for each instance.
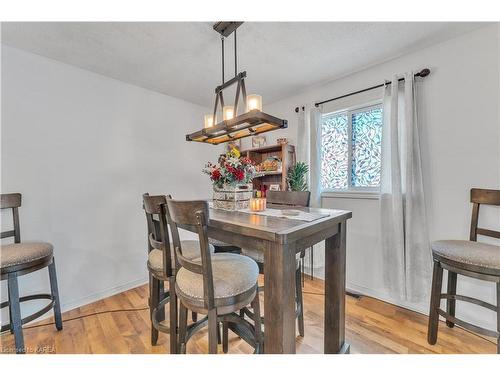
(351, 145)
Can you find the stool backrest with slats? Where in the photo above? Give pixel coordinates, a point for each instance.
(157, 223)
(12, 201)
(289, 198)
(479, 197)
(193, 216)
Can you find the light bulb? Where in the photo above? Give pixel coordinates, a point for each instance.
(254, 102)
(228, 112)
(209, 121)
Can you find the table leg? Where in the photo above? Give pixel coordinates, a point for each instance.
(279, 298)
(335, 265)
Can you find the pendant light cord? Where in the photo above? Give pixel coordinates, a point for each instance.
(235, 56)
(222, 40)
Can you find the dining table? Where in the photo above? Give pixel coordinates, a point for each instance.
(281, 238)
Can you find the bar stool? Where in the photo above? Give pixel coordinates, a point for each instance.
(22, 258)
(468, 258)
(215, 285)
(161, 266)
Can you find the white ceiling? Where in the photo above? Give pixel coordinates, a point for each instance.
(183, 59)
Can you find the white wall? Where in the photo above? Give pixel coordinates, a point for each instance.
(460, 140)
(82, 149)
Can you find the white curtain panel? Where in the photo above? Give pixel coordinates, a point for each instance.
(303, 135)
(418, 261)
(404, 233)
(309, 151)
(391, 197)
(315, 156)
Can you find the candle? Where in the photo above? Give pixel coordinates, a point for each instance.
(209, 121)
(228, 112)
(254, 102)
(257, 204)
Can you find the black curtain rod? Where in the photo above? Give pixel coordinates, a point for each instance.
(423, 73)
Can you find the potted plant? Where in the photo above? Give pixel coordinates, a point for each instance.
(297, 177)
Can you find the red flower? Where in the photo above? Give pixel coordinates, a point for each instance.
(215, 175)
(229, 168)
(238, 174)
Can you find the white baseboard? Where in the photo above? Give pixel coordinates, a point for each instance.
(479, 318)
(417, 307)
(93, 297)
(352, 287)
(96, 296)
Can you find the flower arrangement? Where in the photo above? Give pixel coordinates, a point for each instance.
(231, 169)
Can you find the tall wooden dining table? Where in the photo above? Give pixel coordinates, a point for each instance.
(281, 239)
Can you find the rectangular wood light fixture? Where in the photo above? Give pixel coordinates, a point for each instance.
(245, 125)
(235, 126)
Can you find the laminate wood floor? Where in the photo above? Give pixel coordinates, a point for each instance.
(372, 326)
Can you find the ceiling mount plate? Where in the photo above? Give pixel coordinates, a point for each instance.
(226, 28)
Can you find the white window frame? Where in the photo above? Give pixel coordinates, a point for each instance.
(358, 192)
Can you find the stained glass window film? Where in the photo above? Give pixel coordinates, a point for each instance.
(366, 148)
(334, 151)
(351, 145)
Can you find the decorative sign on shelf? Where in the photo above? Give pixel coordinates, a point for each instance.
(258, 141)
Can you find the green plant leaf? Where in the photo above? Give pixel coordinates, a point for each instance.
(297, 177)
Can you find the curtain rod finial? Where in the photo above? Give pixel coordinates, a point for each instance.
(424, 72)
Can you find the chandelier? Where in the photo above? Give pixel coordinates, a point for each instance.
(238, 121)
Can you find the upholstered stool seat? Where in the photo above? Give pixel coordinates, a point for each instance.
(22, 258)
(233, 275)
(256, 255)
(190, 248)
(470, 259)
(483, 256)
(17, 256)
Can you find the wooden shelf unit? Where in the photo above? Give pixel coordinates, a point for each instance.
(286, 153)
